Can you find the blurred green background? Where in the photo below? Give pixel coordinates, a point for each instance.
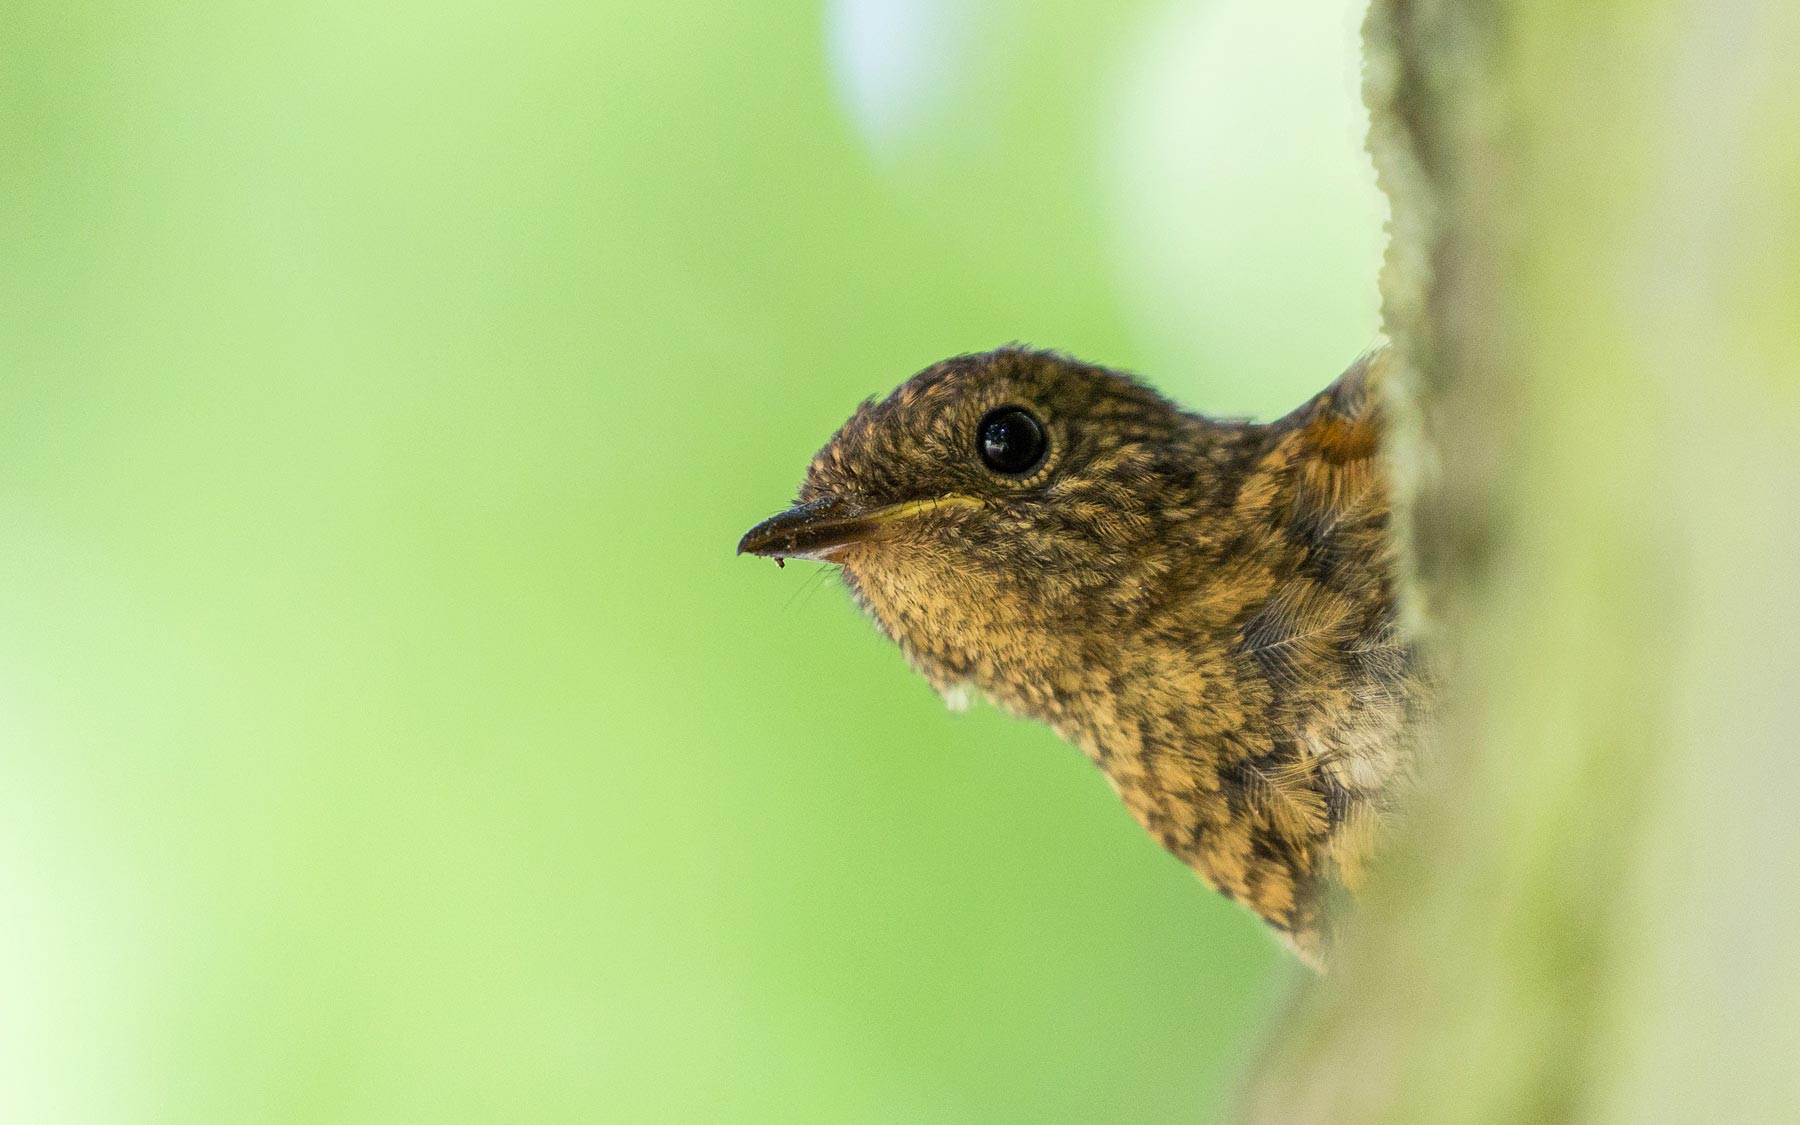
(387, 732)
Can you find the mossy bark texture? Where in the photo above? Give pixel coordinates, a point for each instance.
(1594, 293)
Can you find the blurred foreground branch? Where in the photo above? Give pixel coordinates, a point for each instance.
(1594, 287)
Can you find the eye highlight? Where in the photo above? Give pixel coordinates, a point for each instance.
(1010, 440)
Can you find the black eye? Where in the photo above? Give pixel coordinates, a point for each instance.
(1011, 440)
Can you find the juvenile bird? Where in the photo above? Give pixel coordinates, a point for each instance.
(1205, 608)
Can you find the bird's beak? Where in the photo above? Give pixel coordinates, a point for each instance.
(816, 530)
(822, 529)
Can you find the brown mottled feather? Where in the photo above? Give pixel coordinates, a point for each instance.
(1205, 608)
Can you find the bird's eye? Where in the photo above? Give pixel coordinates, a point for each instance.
(1011, 440)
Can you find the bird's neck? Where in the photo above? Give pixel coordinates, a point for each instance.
(1257, 719)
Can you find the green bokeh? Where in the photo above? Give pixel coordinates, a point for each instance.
(387, 733)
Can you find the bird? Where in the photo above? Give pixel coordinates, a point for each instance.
(1205, 607)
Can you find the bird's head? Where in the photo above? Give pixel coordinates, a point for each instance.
(996, 509)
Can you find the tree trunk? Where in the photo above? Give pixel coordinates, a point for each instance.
(1594, 292)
